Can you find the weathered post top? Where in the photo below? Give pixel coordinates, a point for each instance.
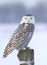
(26, 56)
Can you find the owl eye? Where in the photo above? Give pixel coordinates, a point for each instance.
(25, 18)
(31, 18)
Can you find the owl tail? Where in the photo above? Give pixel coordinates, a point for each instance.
(9, 48)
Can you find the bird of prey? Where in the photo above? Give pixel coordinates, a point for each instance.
(21, 37)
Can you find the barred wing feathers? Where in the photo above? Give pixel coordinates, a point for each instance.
(20, 38)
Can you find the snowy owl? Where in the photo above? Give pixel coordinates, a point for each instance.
(22, 36)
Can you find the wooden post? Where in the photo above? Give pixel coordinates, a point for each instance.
(26, 56)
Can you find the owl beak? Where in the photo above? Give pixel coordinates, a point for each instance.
(29, 19)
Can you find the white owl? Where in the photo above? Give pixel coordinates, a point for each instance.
(22, 35)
